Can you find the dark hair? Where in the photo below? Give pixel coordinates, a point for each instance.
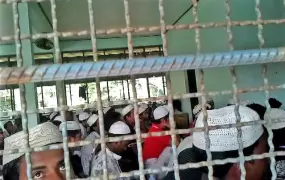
(220, 171)
(11, 171)
(57, 123)
(73, 133)
(110, 118)
(278, 138)
(6, 124)
(258, 108)
(177, 104)
(274, 103)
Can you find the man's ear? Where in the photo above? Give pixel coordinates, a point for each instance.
(234, 171)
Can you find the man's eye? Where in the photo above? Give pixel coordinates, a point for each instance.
(62, 168)
(38, 175)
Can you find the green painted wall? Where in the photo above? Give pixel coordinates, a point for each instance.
(215, 39)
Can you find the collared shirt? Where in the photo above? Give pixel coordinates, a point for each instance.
(86, 151)
(153, 146)
(112, 164)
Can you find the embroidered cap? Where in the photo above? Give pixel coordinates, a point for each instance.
(226, 139)
(83, 116)
(160, 112)
(39, 136)
(119, 128)
(127, 109)
(92, 120)
(277, 114)
(53, 115)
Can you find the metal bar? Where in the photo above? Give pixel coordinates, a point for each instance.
(85, 33)
(22, 89)
(43, 101)
(122, 83)
(235, 92)
(133, 82)
(58, 59)
(202, 89)
(55, 72)
(169, 90)
(268, 126)
(98, 88)
(147, 85)
(175, 96)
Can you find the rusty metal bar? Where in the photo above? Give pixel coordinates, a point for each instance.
(55, 72)
(60, 91)
(86, 33)
(144, 135)
(175, 96)
(169, 91)
(99, 98)
(268, 125)
(135, 97)
(22, 88)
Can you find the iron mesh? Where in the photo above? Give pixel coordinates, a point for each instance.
(59, 72)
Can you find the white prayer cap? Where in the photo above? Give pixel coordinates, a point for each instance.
(106, 109)
(58, 118)
(53, 115)
(39, 136)
(70, 126)
(142, 108)
(226, 139)
(127, 109)
(78, 111)
(119, 128)
(92, 120)
(83, 116)
(277, 114)
(160, 112)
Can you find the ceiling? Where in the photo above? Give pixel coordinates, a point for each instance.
(73, 14)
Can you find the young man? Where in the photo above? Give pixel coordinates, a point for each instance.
(10, 128)
(129, 116)
(74, 135)
(47, 164)
(157, 149)
(224, 145)
(144, 117)
(113, 152)
(87, 151)
(83, 117)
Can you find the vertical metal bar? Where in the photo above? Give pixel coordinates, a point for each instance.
(11, 98)
(238, 120)
(268, 126)
(108, 92)
(147, 84)
(43, 101)
(259, 25)
(133, 81)
(169, 91)
(128, 86)
(58, 59)
(98, 89)
(87, 93)
(70, 96)
(122, 82)
(202, 89)
(22, 89)
(235, 92)
(163, 84)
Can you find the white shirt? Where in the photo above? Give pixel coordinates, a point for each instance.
(86, 151)
(112, 165)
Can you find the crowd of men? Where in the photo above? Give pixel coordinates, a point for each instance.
(122, 155)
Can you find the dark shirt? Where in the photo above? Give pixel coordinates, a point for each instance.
(77, 166)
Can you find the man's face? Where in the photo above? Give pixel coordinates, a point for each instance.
(46, 165)
(131, 118)
(10, 127)
(84, 123)
(122, 146)
(144, 115)
(255, 170)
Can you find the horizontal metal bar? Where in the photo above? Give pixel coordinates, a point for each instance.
(146, 100)
(147, 29)
(143, 135)
(56, 72)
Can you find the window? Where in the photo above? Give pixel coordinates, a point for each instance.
(85, 91)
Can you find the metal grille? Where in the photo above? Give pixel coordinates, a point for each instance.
(100, 69)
